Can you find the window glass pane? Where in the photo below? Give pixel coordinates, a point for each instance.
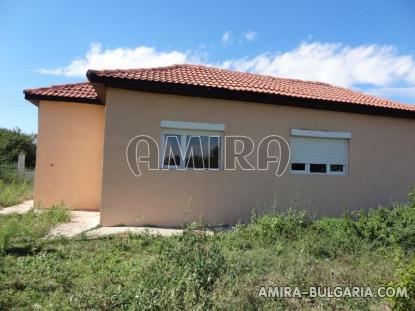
(298, 166)
(172, 150)
(202, 152)
(196, 151)
(318, 168)
(336, 168)
(214, 152)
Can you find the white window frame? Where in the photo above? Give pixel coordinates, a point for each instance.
(190, 129)
(322, 134)
(328, 172)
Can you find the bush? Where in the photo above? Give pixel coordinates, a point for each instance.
(278, 225)
(411, 197)
(331, 237)
(405, 278)
(387, 225)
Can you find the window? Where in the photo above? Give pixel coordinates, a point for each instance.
(191, 150)
(319, 152)
(336, 167)
(318, 168)
(188, 145)
(298, 166)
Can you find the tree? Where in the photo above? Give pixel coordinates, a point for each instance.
(12, 142)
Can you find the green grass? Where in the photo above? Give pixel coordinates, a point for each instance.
(197, 271)
(14, 189)
(23, 233)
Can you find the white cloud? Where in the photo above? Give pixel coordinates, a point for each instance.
(373, 65)
(250, 35)
(380, 70)
(226, 37)
(121, 58)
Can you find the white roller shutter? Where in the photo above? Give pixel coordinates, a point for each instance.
(318, 150)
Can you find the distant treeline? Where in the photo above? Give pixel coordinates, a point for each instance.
(12, 142)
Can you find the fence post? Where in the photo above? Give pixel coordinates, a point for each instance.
(21, 162)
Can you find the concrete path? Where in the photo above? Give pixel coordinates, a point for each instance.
(104, 231)
(80, 221)
(19, 209)
(85, 221)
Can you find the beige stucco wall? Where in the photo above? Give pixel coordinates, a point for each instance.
(381, 163)
(69, 155)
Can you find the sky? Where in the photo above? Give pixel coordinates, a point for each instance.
(364, 45)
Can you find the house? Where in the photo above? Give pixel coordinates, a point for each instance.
(347, 149)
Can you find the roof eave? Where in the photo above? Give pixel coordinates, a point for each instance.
(222, 93)
(34, 99)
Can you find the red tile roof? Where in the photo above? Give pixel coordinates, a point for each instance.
(210, 77)
(78, 92)
(198, 80)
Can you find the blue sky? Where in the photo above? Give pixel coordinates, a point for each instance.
(364, 45)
